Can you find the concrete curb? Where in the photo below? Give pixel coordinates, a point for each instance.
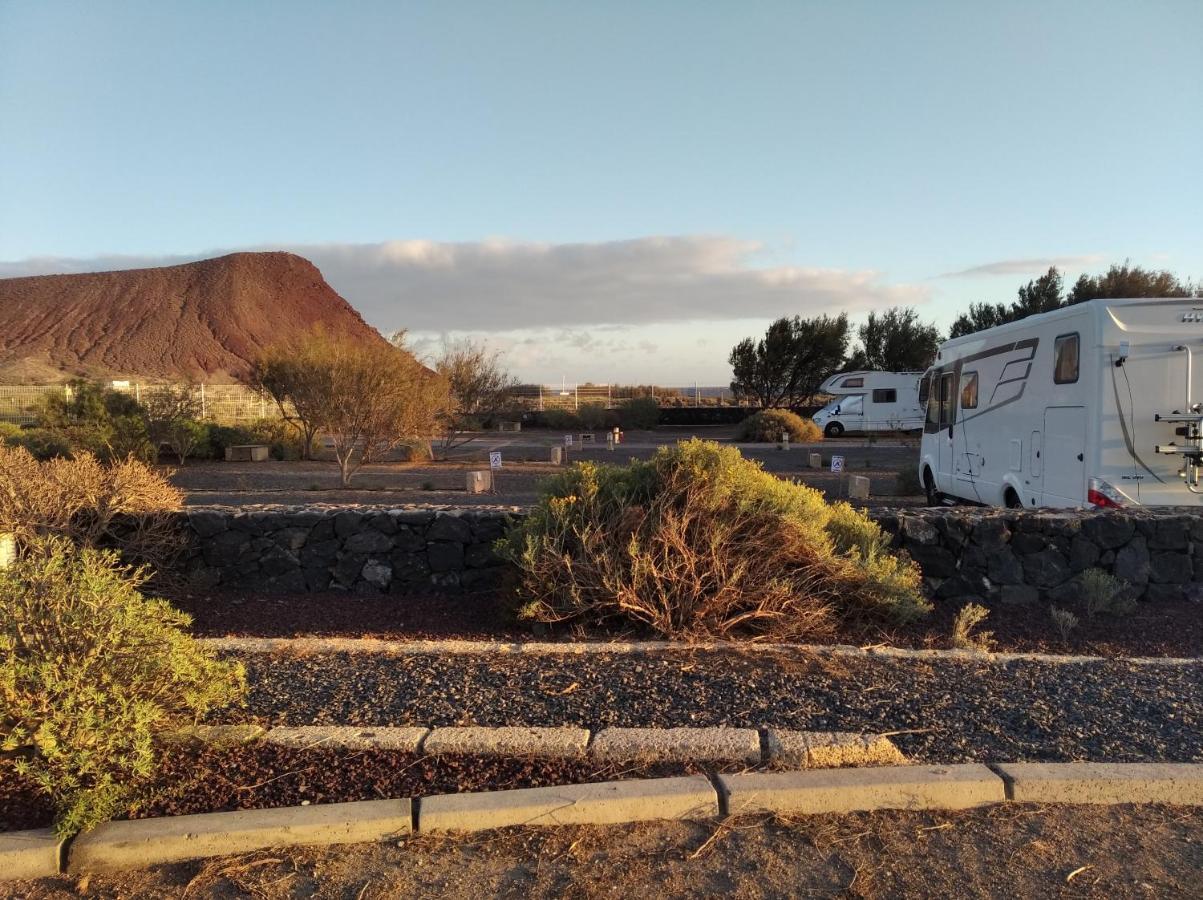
(604, 803)
(561, 743)
(121, 845)
(800, 749)
(854, 790)
(29, 854)
(1104, 783)
(735, 745)
(589, 648)
(144, 842)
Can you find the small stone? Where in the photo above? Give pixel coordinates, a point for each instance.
(378, 573)
(364, 542)
(448, 527)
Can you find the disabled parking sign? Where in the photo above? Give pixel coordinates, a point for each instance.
(837, 464)
(495, 459)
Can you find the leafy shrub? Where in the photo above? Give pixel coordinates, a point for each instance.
(90, 672)
(639, 413)
(9, 432)
(283, 439)
(1063, 620)
(561, 420)
(968, 618)
(40, 443)
(769, 424)
(595, 416)
(1104, 593)
(90, 418)
(123, 505)
(698, 542)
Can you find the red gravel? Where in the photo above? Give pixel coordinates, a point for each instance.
(263, 776)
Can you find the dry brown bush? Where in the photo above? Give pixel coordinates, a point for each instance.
(122, 505)
(699, 542)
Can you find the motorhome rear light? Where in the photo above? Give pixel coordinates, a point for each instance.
(1103, 496)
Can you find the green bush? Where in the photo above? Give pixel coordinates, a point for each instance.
(10, 432)
(91, 673)
(283, 439)
(561, 420)
(40, 443)
(639, 413)
(95, 419)
(595, 416)
(769, 424)
(699, 541)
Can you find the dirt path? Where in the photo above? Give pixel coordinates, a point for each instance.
(1011, 853)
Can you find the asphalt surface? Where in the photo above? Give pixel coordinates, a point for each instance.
(943, 710)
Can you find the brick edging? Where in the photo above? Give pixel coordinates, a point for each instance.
(141, 842)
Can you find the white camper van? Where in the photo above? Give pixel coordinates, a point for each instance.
(1092, 405)
(870, 402)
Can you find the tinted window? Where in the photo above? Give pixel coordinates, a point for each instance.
(969, 390)
(946, 400)
(853, 382)
(885, 395)
(932, 423)
(924, 384)
(1065, 359)
(852, 406)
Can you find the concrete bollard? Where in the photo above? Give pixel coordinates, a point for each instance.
(557, 456)
(816, 461)
(858, 487)
(8, 550)
(480, 482)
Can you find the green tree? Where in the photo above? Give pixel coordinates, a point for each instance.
(895, 341)
(789, 363)
(1042, 294)
(105, 422)
(1128, 281)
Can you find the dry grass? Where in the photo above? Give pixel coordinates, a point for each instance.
(123, 505)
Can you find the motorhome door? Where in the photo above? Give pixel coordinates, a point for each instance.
(1064, 456)
(944, 440)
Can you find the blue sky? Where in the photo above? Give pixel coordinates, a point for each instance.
(632, 185)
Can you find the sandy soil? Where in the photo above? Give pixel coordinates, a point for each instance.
(1006, 852)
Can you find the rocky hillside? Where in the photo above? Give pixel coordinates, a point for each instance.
(207, 320)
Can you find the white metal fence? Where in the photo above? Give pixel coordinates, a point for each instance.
(235, 403)
(226, 403)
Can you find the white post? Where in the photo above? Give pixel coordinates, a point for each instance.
(202, 390)
(8, 550)
(576, 397)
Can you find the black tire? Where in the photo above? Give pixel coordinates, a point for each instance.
(833, 429)
(1011, 499)
(934, 497)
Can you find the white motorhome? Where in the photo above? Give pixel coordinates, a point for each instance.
(1092, 405)
(867, 402)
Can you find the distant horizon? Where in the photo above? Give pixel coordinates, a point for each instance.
(354, 277)
(626, 190)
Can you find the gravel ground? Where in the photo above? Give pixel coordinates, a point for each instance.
(945, 710)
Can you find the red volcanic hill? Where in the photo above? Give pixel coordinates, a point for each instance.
(206, 320)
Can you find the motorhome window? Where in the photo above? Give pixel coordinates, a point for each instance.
(853, 382)
(885, 395)
(1065, 359)
(852, 406)
(932, 423)
(969, 390)
(924, 385)
(947, 411)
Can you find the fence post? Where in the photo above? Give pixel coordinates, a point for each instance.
(202, 389)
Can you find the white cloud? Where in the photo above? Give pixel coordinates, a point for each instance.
(500, 285)
(1027, 266)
